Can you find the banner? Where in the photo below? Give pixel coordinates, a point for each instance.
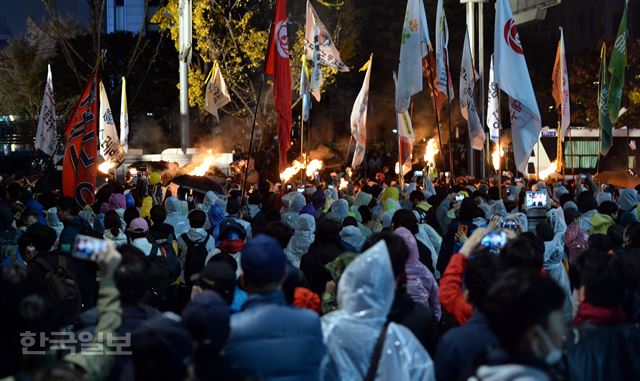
(438, 99)
(316, 71)
(304, 90)
(442, 53)
(124, 118)
(80, 155)
(46, 134)
(359, 117)
(560, 89)
(328, 54)
(110, 148)
(512, 76)
(413, 48)
(606, 127)
(617, 67)
(493, 106)
(468, 77)
(277, 65)
(216, 93)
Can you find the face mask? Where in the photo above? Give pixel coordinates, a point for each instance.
(553, 353)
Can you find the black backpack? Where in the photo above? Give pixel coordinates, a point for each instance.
(165, 245)
(422, 215)
(194, 257)
(62, 287)
(158, 278)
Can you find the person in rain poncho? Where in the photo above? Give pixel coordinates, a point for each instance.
(174, 217)
(421, 285)
(351, 238)
(339, 211)
(552, 234)
(292, 202)
(301, 240)
(628, 203)
(365, 296)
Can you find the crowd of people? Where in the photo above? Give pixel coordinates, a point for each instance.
(376, 280)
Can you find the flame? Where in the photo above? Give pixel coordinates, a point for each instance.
(207, 161)
(313, 167)
(106, 166)
(397, 167)
(344, 184)
(551, 169)
(431, 151)
(495, 157)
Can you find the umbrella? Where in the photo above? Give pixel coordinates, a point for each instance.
(620, 179)
(199, 183)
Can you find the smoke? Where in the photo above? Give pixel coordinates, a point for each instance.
(147, 134)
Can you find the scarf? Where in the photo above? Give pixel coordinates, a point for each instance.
(599, 315)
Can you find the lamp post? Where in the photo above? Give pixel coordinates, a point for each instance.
(184, 56)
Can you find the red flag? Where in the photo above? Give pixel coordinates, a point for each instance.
(429, 72)
(277, 65)
(405, 148)
(79, 165)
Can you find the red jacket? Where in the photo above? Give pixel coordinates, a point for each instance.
(451, 294)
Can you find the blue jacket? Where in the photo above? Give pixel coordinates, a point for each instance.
(459, 347)
(275, 341)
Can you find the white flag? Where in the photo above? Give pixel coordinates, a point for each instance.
(442, 52)
(403, 119)
(560, 88)
(493, 111)
(216, 93)
(316, 71)
(468, 77)
(359, 117)
(110, 148)
(46, 135)
(124, 118)
(512, 76)
(329, 55)
(414, 46)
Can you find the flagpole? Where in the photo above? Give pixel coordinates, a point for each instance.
(435, 109)
(446, 64)
(499, 148)
(346, 158)
(599, 144)
(302, 156)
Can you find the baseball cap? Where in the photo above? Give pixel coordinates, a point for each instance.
(263, 260)
(219, 277)
(161, 345)
(139, 225)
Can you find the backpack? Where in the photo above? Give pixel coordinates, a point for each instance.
(422, 215)
(168, 251)
(158, 277)
(576, 241)
(62, 287)
(194, 257)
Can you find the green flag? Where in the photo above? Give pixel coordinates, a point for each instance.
(616, 68)
(606, 130)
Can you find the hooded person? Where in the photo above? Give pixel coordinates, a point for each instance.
(174, 217)
(324, 249)
(339, 211)
(628, 203)
(552, 234)
(317, 200)
(53, 221)
(302, 238)
(38, 208)
(587, 206)
(210, 199)
(365, 294)
(294, 202)
(352, 239)
(215, 216)
(603, 196)
(421, 285)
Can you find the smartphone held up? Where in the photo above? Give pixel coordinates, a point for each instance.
(89, 248)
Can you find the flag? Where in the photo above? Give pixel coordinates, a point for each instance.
(46, 135)
(560, 90)
(359, 117)
(413, 48)
(405, 140)
(110, 148)
(328, 54)
(428, 71)
(216, 93)
(316, 71)
(617, 67)
(277, 65)
(80, 156)
(442, 53)
(304, 90)
(403, 119)
(124, 118)
(468, 77)
(512, 76)
(493, 108)
(632, 145)
(606, 127)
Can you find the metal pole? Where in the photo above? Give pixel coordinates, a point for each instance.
(481, 70)
(435, 108)
(446, 64)
(472, 43)
(185, 58)
(253, 130)
(346, 158)
(302, 157)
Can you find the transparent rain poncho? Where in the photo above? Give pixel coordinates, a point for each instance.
(301, 239)
(365, 296)
(553, 255)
